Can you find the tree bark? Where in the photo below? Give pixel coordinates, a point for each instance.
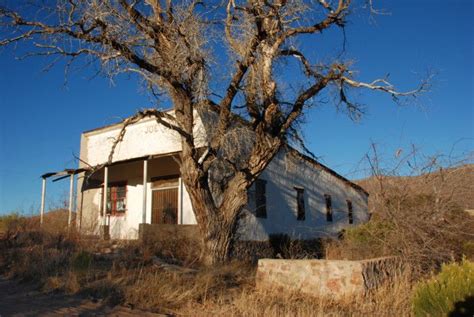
(217, 225)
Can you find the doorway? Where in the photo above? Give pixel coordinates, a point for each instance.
(164, 203)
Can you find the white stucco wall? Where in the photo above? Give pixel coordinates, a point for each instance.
(287, 171)
(125, 226)
(145, 137)
(284, 173)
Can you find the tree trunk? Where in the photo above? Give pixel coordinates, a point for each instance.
(217, 243)
(217, 225)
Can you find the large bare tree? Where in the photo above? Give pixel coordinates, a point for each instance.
(174, 47)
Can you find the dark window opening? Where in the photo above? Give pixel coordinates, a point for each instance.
(116, 199)
(349, 211)
(328, 207)
(300, 204)
(260, 198)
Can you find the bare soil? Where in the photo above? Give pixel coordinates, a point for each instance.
(21, 299)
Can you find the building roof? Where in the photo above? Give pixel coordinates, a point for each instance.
(327, 169)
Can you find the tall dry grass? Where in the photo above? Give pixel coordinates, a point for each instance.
(421, 221)
(136, 277)
(417, 214)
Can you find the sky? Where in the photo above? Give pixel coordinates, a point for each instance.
(42, 116)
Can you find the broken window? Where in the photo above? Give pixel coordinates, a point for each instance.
(328, 207)
(116, 198)
(300, 204)
(260, 198)
(349, 211)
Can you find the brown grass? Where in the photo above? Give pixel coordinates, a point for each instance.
(417, 218)
(60, 261)
(424, 229)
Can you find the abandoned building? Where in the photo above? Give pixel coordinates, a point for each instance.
(295, 195)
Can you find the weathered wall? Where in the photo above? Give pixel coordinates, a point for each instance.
(164, 232)
(283, 174)
(125, 226)
(143, 138)
(332, 278)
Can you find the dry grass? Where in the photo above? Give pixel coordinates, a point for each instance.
(61, 262)
(425, 229)
(421, 219)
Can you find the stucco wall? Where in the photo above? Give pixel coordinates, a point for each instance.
(143, 138)
(332, 278)
(283, 174)
(126, 226)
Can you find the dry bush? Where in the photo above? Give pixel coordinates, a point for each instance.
(389, 300)
(183, 251)
(417, 217)
(132, 276)
(171, 290)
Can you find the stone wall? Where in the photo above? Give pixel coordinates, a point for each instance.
(334, 278)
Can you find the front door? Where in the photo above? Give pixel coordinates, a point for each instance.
(164, 206)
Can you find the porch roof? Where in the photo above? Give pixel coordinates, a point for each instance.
(64, 173)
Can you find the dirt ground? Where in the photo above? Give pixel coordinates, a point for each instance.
(19, 299)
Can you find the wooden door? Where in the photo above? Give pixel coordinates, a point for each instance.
(164, 206)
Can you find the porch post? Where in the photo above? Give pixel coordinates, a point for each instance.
(71, 189)
(145, 181)
(104, 196)
(43, 196)
(180, 200)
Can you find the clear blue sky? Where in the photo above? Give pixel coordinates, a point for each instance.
(41, 119)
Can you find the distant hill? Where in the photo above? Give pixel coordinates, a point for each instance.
(456, 183)
(53, 220)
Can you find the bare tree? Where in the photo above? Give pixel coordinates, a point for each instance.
(172, 45)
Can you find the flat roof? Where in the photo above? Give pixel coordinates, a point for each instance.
(112, 125)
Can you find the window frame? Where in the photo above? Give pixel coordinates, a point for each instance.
(260, 198)
(328, 201)
(300, 205)
(350, 211)
(111, 191)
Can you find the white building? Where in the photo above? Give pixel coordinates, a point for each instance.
(295, 194)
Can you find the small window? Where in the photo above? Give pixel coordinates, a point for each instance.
(300, 204)
(116, 199)
(349, 211)
(261, 198)
(328, 207)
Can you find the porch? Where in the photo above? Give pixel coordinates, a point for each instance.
(141, 193)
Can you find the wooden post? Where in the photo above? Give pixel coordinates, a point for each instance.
(145, 181)
(106, 185)
(43, 197)
(71, 189)
(180, 200)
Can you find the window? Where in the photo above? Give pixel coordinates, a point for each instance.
(349, 211)
(328, 207)
(116, 198)
(300, 204)
(260, 198)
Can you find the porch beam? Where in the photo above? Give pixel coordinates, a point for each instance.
(145, 181)
(43, 197)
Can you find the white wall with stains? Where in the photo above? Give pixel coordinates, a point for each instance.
(286, 171)
(143, 138)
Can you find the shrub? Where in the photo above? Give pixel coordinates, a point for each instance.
(446, 293)
(81, 261)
